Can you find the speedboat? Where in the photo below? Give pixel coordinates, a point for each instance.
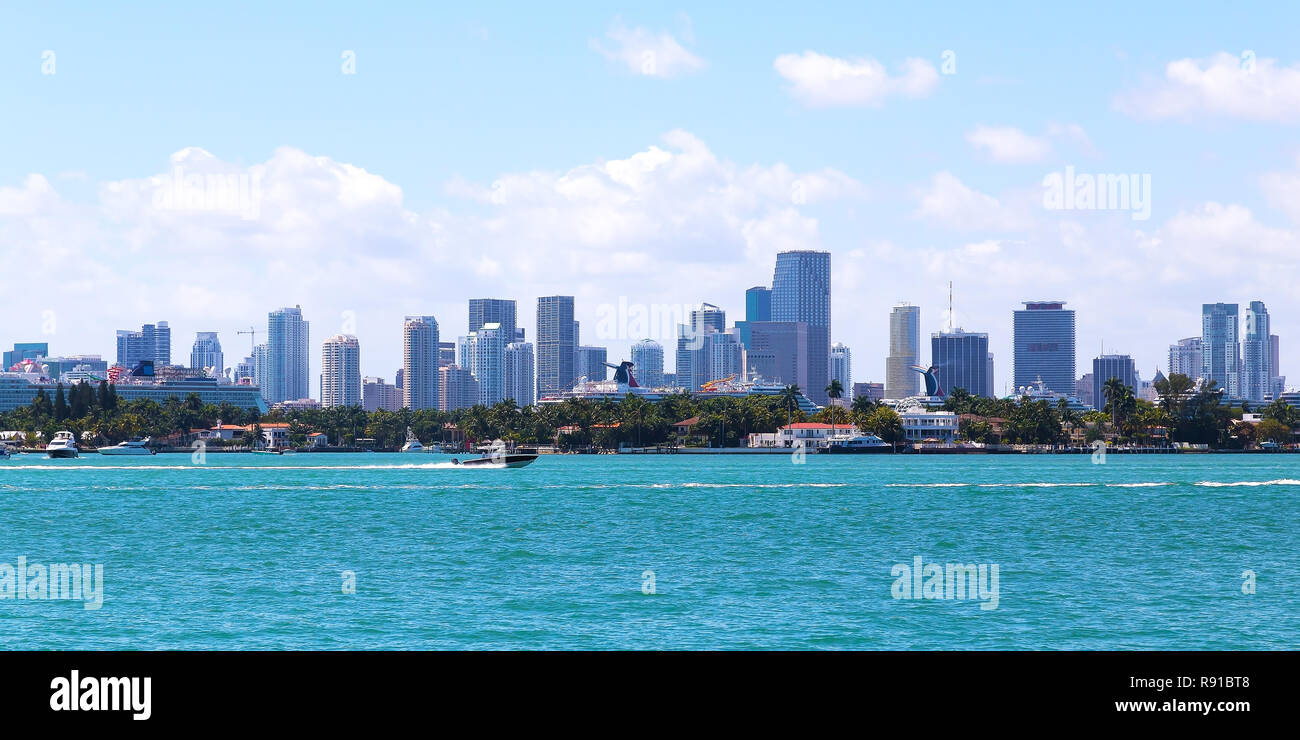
(496, 461)
(412, 444)
(63, 445)
(132, 447)
(5, 454)
(860, 444)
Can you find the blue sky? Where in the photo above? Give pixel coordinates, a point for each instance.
(378, 184)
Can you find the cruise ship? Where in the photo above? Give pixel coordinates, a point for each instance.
(729, 387)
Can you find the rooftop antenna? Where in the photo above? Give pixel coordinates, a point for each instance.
(951, 319)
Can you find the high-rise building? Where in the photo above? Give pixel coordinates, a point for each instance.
(870, 391)
(556, 344)
(591, 363)
(1083, 390)
(520, 373)
(487, 361)
(962, 360)
(722, 357)
(262, 367)
(420, 363)
(648, 357)
(901, 381)
(340, 380)
(1278, 382)
(24, 351)
(842, 369)
(778, 353)
(1256, 355)
(801, 292)
(458, 388)
(287, 340)
(1185, 357)
(377, 395)
(207, 353)
(1043, 346)
(758, 307)
(1221, 353)
(1106, 367)
(159, 336)
(493, 311)
(153, 343)
(446, 353)
(692, 358)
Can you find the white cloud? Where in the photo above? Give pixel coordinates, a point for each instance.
(823, 81)
(1244, 87)
(953, 204)
(1282, 189)
(669, 224)
(1008, 144)
(647, 53)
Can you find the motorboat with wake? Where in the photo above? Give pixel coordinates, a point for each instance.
(131, 447)
(496, 457)
(62, 446)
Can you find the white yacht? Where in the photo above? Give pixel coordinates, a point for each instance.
(858, 444)
(412, 444)
(63, 445)
(132, 447)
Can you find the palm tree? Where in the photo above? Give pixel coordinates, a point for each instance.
(834, 391)
(790, 398)
(1115, 392)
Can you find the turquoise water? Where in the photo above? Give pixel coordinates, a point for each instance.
(249, 551)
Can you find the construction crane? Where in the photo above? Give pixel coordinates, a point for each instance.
(252, 340)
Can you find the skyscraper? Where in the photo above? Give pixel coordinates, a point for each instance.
(287, 340)
(1106, 367)
(153, 342)
(1256, 355)
(591, 363)
(377, 394)
(842, 369)
(493, 311)
(962, 361)
(1185, 357)
(722, 357)
(648, 357)
(457, 388)
(24, 351)
(420, 363)
(340, 380)
(207, 353)
(778, 353)
(901, 381)
(487, 361)
(555, 344)
(1220, 355)
(1043, 346)
(520, 373)
(446, 353)
(801, 291)
(758, 307)
(1278, 382)
(692, 358)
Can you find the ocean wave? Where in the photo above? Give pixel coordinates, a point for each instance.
(1229, 484)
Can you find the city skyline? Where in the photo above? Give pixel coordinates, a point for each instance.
(640, 184)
